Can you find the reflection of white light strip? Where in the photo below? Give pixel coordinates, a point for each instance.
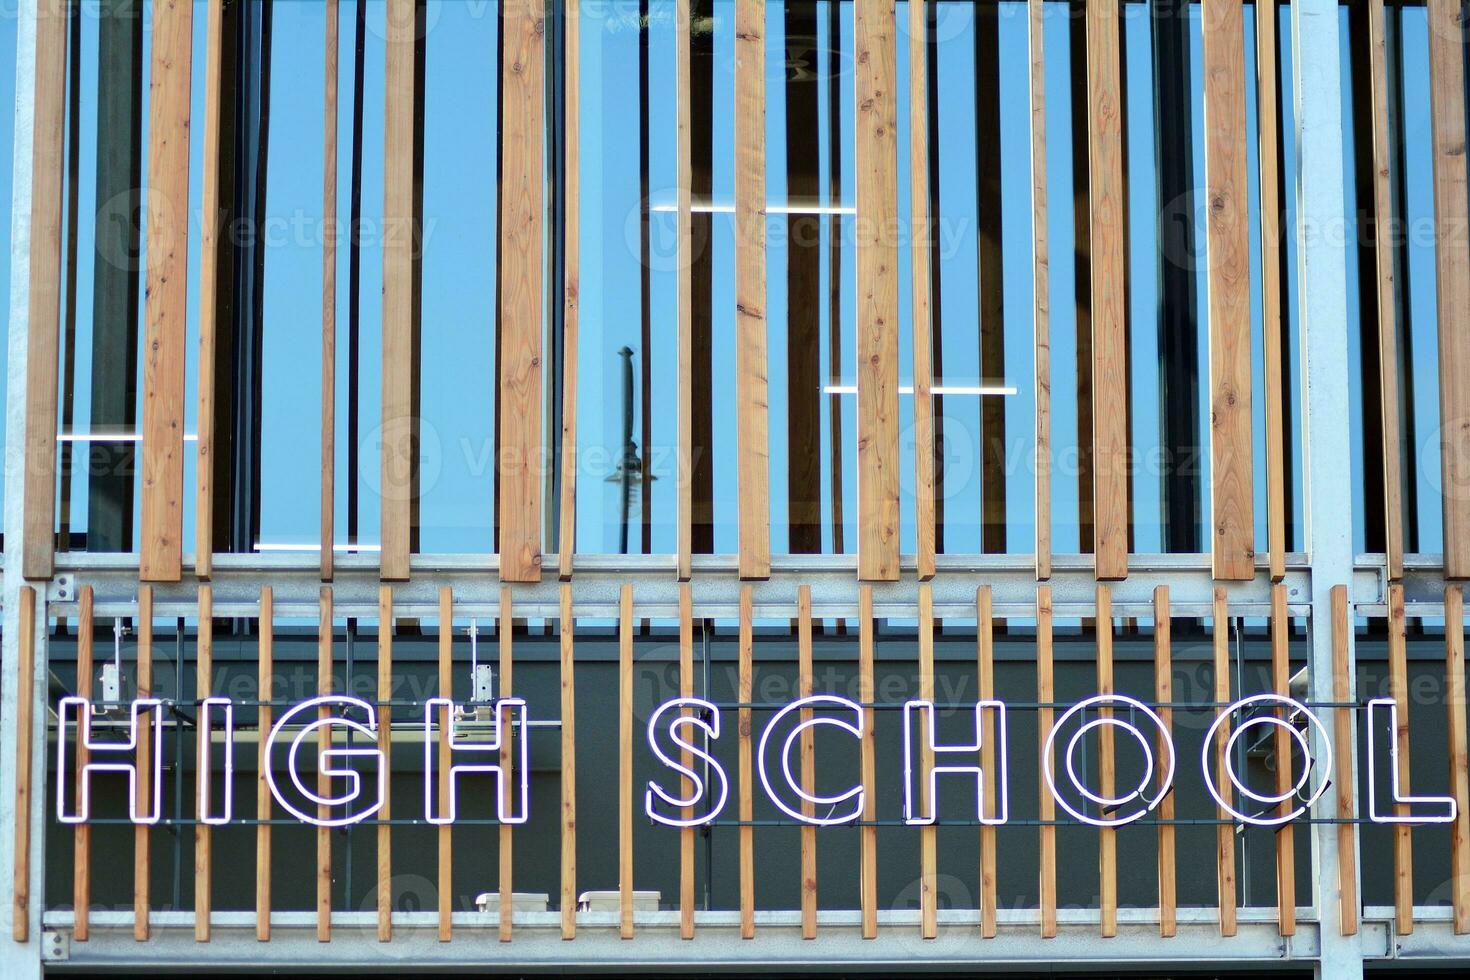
(1447, 815)
(934, 390)
(290, 546)
(770, 209)
(111, 437)
(1291, 707)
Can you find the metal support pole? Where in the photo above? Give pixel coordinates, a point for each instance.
(20, 961)
(1321, 253)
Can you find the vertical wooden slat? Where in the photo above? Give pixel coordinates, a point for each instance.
(506, 634)
(1343, 739)
(209, 231)
(625, 760)
(1047, 806)
(398, 461)
(522, 184)
(1225, 832)
(203, 687)
(868, 833)
(1228, 246)
(329, 299)
(686, 834)
(1164, 695)
(1040, 273)
(1107, 843)
(928, 833)
(571, 279)
(875, 154)
(141, 833)
(1107, 221)
(685, 261)
(82, 859)
(922, 314)
(1459, 755)
(263, 805)
(752, 437)
(985, 668)
(25, 687)
(1269, 142)
(166, 308)
(446, 760)
(1452, 274)
(808, 763)
(324, 658)
(1285, 838)
(1398, 688)
(43, 317)
(747, 778)
(385, 746)
(568, 768)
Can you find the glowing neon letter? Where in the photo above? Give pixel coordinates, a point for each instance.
(368, 731)
(1145, 802)
(1445, 810)
(706, 718)
(853, 794)
(77, 712)
(205, 773)
(968, 751)
(510, 713)
(1290, 706)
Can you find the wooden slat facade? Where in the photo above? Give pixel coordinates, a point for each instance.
(209, 279)
(808, 760)
(625, 762)
(572, 280)
(82, 839)
(1046, 805)
(568, 767)
(446, 760)
(204, 687)
(1344, 739)
(324, 686)
(1273, 216)
(1224, 834)
(265, 672)
(1164, 695)
(385, 746)
(1286, 834)
(989, 760)
(1459, 757)
(928, 833)
(505, 632)
(1041, 283)
(921, 280)
(20, 905)
(1398, 689)
(142, 833)
(329, 298)
(746, 787)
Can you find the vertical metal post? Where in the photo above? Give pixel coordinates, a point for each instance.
(1322, 258)
(21, 961)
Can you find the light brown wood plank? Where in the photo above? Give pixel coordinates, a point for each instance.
(1272, 205)
(684, 255)
(1452, 275)
(625, 760)
(506, 635)
(1164, 695)
(82, 852)
(1041, 284)
(867, 833)
(1107, 221)
(329, 298)
(1225, 832)
(571, 279)
(203, 687)
(142, 832)
(43, 317)
(928, 833)
(1285, 838)
(922, 301)
(686, 834)
(875, 156)
(985, 669)
(1107, 842)
(165, 310)
(1047, 806)
(263, 801)
(568, 768)
(808, 763)
(1459, 755)
(398, 462)
(209, 266)
(446, 760)
(385, 746)
(747, 778)
(324, 686)
(1343, 739)
(522, 182)
(751, 368)
(25, 685)
(1398, 688)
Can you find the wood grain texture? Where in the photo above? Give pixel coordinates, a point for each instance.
(385, 746)
(1047, 805)
(209, 267)
(808, 763)
(572, 277)
(1285, 835)
(923, 245)
(166, 277)
(397, 436)
(1227, 238)
(265, 666)
(506, 634)
(142, 833)
(625, 761)
(929, 832)
(867, 833)
(1398, 689)
(1344, 738)
(1272, 215)
(1107, 837)
(1225, 832)
(329, 298)
(1164, 695)
(1040, 284)
(985, 670)
(82, 849)
(446, 760)
(1108, 234)
(751, 368)
(25, 685)
(324, 687)
(1459, 756)
(1452, 275)
(203, 688)
(875, 156)
(684, 260)
(686, 758)
(568, 767)
(43, 317)
(747, 777)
